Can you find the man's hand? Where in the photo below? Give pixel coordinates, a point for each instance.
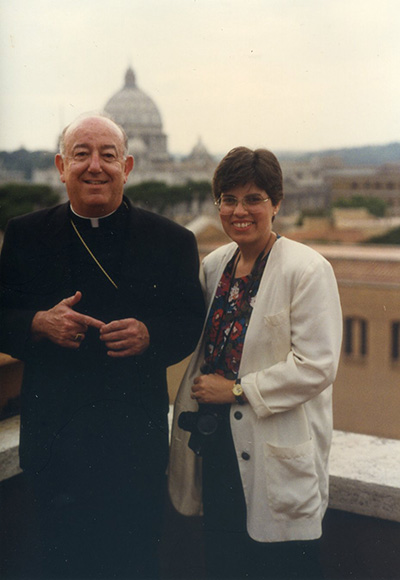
(126, 337)
(62, 325)
(213, 389)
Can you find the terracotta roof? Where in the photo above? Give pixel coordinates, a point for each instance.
(366, 265)
(328, 234)
(365, 252)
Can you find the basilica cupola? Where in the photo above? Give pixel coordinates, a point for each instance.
(137, 113)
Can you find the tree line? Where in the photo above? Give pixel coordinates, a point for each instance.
(21, 198)
(17, 199)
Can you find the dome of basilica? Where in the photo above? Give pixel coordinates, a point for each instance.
(139, 116)
(132, 108)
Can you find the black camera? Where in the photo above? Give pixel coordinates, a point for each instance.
(202, 424)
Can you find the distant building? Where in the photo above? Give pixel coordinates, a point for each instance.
(382, 182)
(304, 186)
(367, 388)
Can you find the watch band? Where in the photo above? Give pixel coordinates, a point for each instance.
(237, 391)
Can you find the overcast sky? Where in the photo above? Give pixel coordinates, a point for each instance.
(284, 74)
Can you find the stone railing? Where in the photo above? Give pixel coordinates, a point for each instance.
(10, 382)
(364, 471)
(365, 475)
(9, 442)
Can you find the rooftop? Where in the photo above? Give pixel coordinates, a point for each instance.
(364, 252)
(364, 264)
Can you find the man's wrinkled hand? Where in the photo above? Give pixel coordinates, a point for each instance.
(126, 337)
(62, 325)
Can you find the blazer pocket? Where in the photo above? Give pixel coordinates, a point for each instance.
(277, 328)
(277, 319)
(292, 481)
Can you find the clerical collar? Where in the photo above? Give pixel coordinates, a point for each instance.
(93, 221)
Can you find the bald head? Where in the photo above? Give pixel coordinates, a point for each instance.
(86, 119)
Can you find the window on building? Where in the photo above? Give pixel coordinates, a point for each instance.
(355, 336)
(396, 341)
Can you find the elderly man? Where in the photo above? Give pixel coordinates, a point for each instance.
(97, 298)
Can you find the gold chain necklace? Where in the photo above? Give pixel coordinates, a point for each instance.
(92, 255)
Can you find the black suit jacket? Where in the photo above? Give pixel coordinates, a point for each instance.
(158, 285)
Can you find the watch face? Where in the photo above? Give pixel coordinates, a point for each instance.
(237, 390)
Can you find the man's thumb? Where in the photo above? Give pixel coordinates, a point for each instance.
(72, 300)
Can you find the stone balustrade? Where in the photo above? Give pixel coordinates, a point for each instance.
(364, 471)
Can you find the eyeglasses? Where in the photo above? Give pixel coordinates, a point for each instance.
(253, 202)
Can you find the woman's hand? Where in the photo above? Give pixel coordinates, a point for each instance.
(213, 389)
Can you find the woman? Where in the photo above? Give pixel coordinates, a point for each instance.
(256, 398)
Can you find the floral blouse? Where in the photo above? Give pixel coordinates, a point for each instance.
(229, 318)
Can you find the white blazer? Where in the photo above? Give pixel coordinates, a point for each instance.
(289, 362)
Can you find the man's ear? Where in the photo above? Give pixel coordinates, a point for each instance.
(129, 163)
(59, 163)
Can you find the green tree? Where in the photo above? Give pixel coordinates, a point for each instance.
(313, 213)
(158, 196)
(20, 198)
(375, 205)
(391, 237)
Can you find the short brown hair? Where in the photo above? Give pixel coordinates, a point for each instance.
(242, 166)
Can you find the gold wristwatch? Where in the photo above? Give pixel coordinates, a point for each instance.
(237, 390)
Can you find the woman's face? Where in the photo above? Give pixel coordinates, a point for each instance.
(250, 225)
